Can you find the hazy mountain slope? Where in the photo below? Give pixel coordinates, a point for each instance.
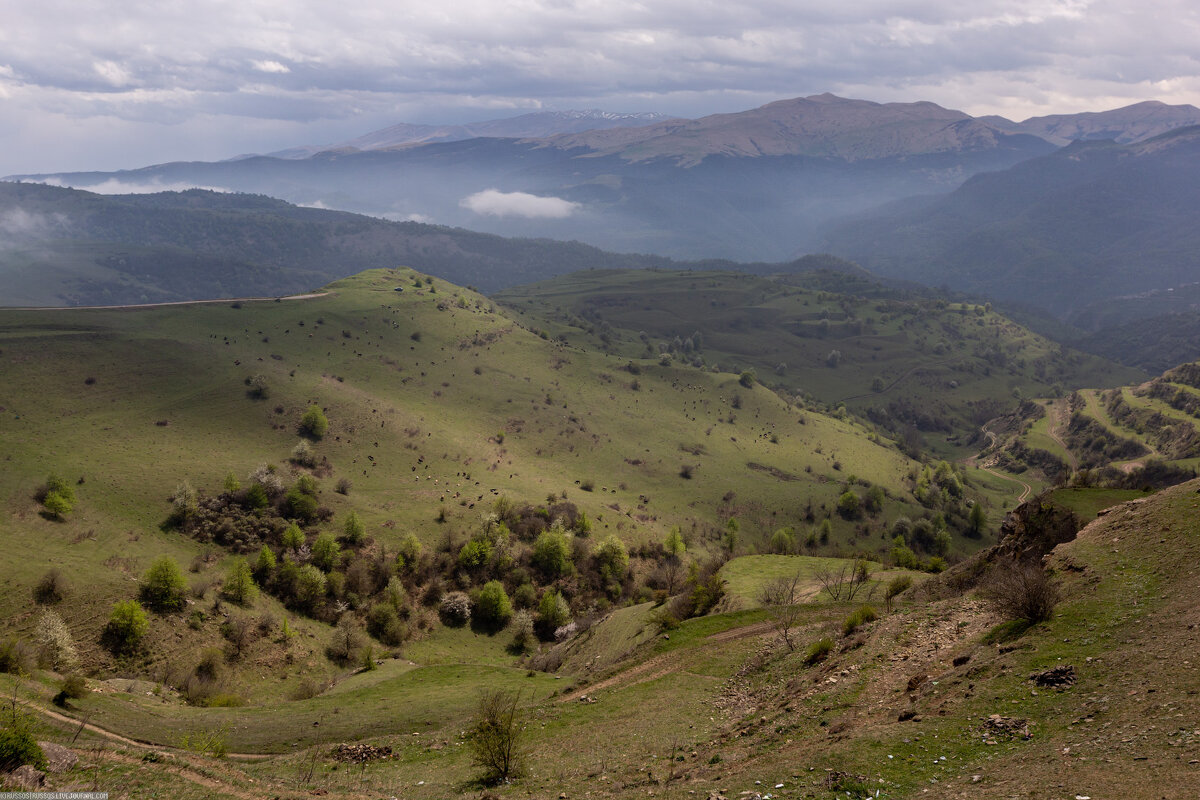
(67, 247)
(536, 125)
(749, 186)
(1124, 125)
(1090, 222)
(822, 126)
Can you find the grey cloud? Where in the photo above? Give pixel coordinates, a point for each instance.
(307, 61)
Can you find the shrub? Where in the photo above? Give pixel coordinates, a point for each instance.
(325, 552)
(18, 747)
(474, 554)
(314, 423)
(896, 586)
(51, 588)
(346, 643)
(818, 651)
(127, 626)
(384, 624)
(73, 687)
(492, 607)
(163, 588)
(303, 455)
(860, 617)
(239, 583)
(57, 647)
(553, 613)
(552, 553)
(495, 736)
(1023, 591)
(17, 657)
(455, 609)
(523, 637)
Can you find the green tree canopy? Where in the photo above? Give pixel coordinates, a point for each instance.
(314, 423)
(163, 588)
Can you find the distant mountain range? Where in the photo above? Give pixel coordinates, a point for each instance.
(758, 185)
(1099, 233)
(535, 125)
(1093, 224)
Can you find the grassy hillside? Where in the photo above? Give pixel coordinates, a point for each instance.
(442, 411)
(942, 697)
(1145, 434)
(917, 366)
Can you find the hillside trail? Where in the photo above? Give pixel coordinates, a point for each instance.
(663, 664)
(986, 465)
(308, 296)
(1054, 428)
(215, 776)
(117, 738)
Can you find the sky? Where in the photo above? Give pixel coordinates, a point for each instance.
(114, 84)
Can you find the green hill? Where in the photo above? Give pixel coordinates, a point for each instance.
(1144, 434)
(462, 448)
(918, 366)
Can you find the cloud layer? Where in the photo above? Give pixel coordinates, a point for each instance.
(142, 82)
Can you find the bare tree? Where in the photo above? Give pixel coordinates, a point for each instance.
(779, 597)
(847, 581)
(496, 736)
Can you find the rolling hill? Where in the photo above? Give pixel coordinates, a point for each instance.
(914, 364)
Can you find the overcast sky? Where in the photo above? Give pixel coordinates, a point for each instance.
(107, 84)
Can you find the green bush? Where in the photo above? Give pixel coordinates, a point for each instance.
(127, 626)
(860, 617)
(384, 624)
(818, 651)
(163, 588)
(314, 423)
(18, 747)
(492, 606)
(239, 582)
(552, 553)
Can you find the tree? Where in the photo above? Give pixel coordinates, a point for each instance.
(293, 537)
(847, 581)
(354, 531)
(310, 586)
(848, 504)
(552, 553)
(162, 588)
(779, 597)
(495, 736)
(346, 642)
(57, 505)
(127, 626)
(239, 582)
(612, 562)
(492, 606)
(314, 423)
(782, 542)
(58, 648)
(553, 613)
(325, 552)
(674, 544)
(264, 565)
(57, 497)
(978, 520)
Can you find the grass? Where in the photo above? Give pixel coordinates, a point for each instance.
(942, 358)
(746, 576)
(414, 425)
